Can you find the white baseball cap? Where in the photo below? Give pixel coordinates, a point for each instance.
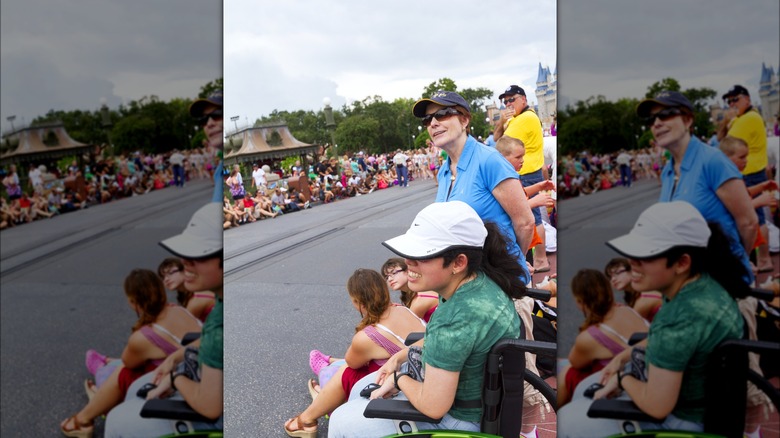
(437, 228)
(661, 227)
(202, 238)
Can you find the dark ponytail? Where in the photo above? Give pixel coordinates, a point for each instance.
(495, 261)
(717, 260)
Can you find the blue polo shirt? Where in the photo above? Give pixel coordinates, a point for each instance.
(480, 170)
(702, 171)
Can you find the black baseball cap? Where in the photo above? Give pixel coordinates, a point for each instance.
(196, 108)
(736, 90)
(664, 98)
(443, 98)
(512, 89)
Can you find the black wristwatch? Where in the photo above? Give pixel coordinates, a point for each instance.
(176, 371)
(396, 376)
(620, 380)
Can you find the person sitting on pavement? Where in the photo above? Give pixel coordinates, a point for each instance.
(647, 304)
(423, 304)
(603, 334)
(200, 304)
(378, 336)
(156, 334)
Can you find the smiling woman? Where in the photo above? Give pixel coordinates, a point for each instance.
(476, 174)
(699, 174)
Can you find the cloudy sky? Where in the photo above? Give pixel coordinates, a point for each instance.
(623, 47)
(290, 55)
(70, 55)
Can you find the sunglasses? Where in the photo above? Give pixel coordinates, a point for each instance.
(171, 272)
(392, 274)
(442, 114)
(664, 115)
(617, 272)
(731, 100)
(510, 100)
(215, 115)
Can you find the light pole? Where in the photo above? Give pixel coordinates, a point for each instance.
(11, 121)
(234, 118)
(105, 116)
(330, 123)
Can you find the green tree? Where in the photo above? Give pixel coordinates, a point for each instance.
(668, 84)
(441, 84)
(356, 131)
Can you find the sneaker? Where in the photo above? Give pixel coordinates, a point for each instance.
(318, 361)
(306, 204)
(94, 361)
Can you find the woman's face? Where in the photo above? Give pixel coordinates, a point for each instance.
(396, 278)
(429, 274)
(203, 274)
(213, 128)
(671, 131)
(173, 277)
(620, 277)
(653, 274)
(446, 130)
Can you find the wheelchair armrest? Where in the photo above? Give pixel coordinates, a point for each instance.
(172, 410)
(619, 410)
(395, 410)
(413, 337)
(636, 338)
(538, 294)
(190, 338)
(762, 294)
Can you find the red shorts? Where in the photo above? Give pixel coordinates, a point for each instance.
(351, 375)
(127, 376)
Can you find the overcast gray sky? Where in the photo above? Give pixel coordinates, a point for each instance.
(618, 48)
(289, 55)
(70, 55)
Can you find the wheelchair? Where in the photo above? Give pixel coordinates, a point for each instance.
(725, 400)
(179, 412)
(502, 394)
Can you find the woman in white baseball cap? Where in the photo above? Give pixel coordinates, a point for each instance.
(448, 250)
(671, 249)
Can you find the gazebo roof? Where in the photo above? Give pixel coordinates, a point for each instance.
(271, 141)
(49, 140)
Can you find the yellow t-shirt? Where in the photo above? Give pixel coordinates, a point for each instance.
(750, 128)
(528, 128)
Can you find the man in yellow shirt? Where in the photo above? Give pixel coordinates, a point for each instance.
(524, 124)
(744, 122)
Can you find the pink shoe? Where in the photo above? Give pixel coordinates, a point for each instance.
(94, 361)
(318, 361)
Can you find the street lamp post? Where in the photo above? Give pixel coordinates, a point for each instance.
(330, 123)
(235, 123)
(11, 121)
(105, 116)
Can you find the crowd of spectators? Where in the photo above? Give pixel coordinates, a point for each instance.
(584, 173)
(46, 193)
(328, 180)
